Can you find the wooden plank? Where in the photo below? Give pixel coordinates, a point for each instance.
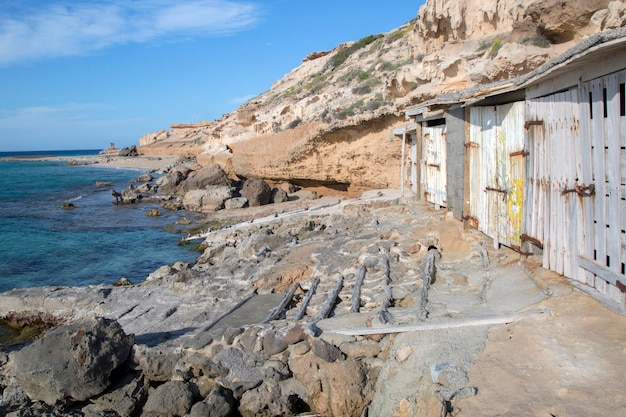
(356, 293)
(586, 237)
(444, 324)
(597, 140)
(602, 271)
(613, 150)
(307, 299)
(467, 171)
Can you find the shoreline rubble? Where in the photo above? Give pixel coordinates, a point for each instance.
(198, 330)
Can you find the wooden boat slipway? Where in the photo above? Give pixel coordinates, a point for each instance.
(537, 163)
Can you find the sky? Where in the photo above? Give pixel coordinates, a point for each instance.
(81, 74)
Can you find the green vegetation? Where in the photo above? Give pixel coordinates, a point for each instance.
(387, 66)
(349, 76)
(361, 90)
(495, 47)
(318, 82)
(536, 40)
(398, 34)
(492, 48)
(341, 56)
(199, 140)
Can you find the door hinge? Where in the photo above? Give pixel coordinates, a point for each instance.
(530, 123)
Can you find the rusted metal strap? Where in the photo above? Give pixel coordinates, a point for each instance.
(471, 145)
(519, 153)
(529, 123)
(519, 250)
(434, 165)
(497, 190)
(581, 190)
(536, 242)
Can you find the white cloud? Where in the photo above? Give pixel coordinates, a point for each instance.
(72, 28)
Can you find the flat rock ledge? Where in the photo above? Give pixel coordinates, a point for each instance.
(226, 336)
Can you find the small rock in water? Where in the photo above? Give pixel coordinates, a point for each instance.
(154, 213)
(68, 206)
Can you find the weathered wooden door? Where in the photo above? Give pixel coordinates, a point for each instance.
(434, 173)
(554, 143)
(497, 166)
(576, 194)
(602, 225)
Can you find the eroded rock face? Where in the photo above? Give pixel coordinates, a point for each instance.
(72, 362)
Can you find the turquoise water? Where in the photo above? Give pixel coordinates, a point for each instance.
(98, 242)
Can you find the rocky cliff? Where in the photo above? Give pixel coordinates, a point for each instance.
(328, 122)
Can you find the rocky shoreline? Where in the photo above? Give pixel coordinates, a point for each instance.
(232, 335)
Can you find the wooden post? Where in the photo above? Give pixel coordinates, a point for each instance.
(330, 301)
(356, 294)
(306, 300)
(428, 278)
(402, 164)
(384, 316)
(284, 303)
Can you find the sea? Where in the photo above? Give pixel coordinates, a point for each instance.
(42, 244)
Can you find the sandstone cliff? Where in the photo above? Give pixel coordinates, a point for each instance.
(328, 122)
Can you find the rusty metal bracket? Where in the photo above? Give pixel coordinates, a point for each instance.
(529, 123)
(519, 153)
(525, 238)
(434, 165)
(472, 220)
(471, 145)
(520, 251)
(581, 190)
(497, 190)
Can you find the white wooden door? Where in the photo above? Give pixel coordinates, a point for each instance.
(497, 168)
(434, 171)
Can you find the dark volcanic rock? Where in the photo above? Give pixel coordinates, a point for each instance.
(72, 362)
(174, 398)
(279, 195)
(257, 191)
(219, 403)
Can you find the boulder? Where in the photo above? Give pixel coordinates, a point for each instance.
(235, 203)
(340, 388)
(305, 195)
(208, 176)
(155, 364)
(210, 199)
(326, 351)
(145, 178)
(219, 403)
(279, 196)
(72, 362)
(243, 373)
(267, 401)
(170, 182)
(129, 151)
(174, 398)
(125, 397)
(257, 191)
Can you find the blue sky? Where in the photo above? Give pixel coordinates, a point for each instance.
(81, 74)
